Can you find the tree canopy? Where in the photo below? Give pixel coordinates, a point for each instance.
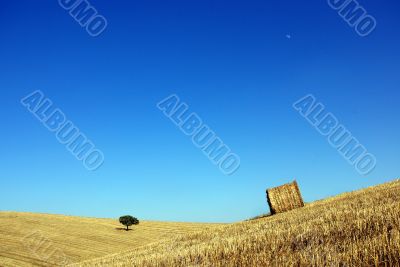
(128, 220)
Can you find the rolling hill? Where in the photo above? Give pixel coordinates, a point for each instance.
(360, 228)
(28, 239)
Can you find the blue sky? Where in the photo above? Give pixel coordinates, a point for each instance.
(233, 64)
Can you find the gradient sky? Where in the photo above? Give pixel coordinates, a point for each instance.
(233, 63)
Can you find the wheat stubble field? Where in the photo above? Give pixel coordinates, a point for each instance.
(360, 228)
(77, 238)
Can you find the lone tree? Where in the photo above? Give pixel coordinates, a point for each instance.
(128, 220)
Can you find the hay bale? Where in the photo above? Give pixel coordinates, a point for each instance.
(284, 198)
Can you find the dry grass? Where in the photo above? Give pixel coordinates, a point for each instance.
(31, 239)
(354, 229)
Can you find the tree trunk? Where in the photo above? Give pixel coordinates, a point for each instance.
(127, 228)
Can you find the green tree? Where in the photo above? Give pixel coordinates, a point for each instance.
(128, 220)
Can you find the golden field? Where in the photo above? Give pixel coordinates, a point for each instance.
(361, 228)
(32, 239)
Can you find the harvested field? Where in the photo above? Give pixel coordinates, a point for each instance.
(32, 239)
(361, 228)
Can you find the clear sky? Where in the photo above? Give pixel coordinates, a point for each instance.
(240, 65)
